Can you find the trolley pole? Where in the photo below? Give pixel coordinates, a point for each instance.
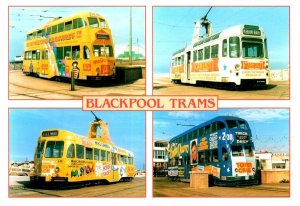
(72, 81)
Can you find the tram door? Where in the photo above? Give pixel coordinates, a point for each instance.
(115, 170)
(186, 166)
(188, 65)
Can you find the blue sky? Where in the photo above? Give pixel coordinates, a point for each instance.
(127, 129)
(270, 127)
(174, 26)
(23, 19)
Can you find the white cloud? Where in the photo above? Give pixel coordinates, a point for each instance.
(262, 115)
(184, 115)
(161, 123)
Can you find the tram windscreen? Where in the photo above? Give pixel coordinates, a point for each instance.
(54, 149)
(237, 151)
(252, 50)
(248, 151)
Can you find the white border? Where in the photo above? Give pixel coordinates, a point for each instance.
(293, 103)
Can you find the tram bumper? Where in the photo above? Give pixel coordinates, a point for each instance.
(37, 179)
(239, 180)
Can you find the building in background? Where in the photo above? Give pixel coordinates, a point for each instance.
(269, 161)
(160, 157)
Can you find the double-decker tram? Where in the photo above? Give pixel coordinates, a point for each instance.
(236, 56)
(64, 158)
(81, 43)
(223, 147)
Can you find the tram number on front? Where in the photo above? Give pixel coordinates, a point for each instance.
(225, 136)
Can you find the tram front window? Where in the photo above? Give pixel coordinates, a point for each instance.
(93, 22)
(252, 50)
(39, 150)
(54, 149)
(248, 151)
(234, 47)
(237, 151)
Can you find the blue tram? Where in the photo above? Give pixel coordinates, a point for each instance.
(222, 146)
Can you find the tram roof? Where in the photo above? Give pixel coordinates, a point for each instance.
(78, 136)
(58, 20)
(230, 31)
(218, 118)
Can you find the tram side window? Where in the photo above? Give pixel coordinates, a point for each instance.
(207, 129)
(96, 154)
(194, 55)
(130, 160)
(125, 159)
(67, 52)
(108, 156)
(237, 151)
(28, 55)
(215, 155)
(29, 36)
(54, 29)
(181, 59)
(201, 131)
(224, 48)
(195, 134)
(215, 51)
(78, 23)
(204, 156)
(220, 125)
(93, 22)
(86, 52)
(214, 127)
(33, 55)
(34, 34)
(200, 54)
(88, 153)
(38, 54)
(71, 151)
(48, 32)
(59, 52)
(75, 52)
(61, 27)
(79, 151)
(43, 54)
(207, 52)
(224, 154)
(103, 155)
(201, 157)
(68, 25)
(46, 54)
(39, 33)
(234, 47)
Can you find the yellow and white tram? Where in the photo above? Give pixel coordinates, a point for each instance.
(238, 55)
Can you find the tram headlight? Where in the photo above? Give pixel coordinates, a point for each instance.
(57, 169)
(237, 67)
(253, 169)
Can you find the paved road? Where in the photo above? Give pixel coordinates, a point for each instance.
(162, 187)
(275, 90)
(136, 188)
(28, 87)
